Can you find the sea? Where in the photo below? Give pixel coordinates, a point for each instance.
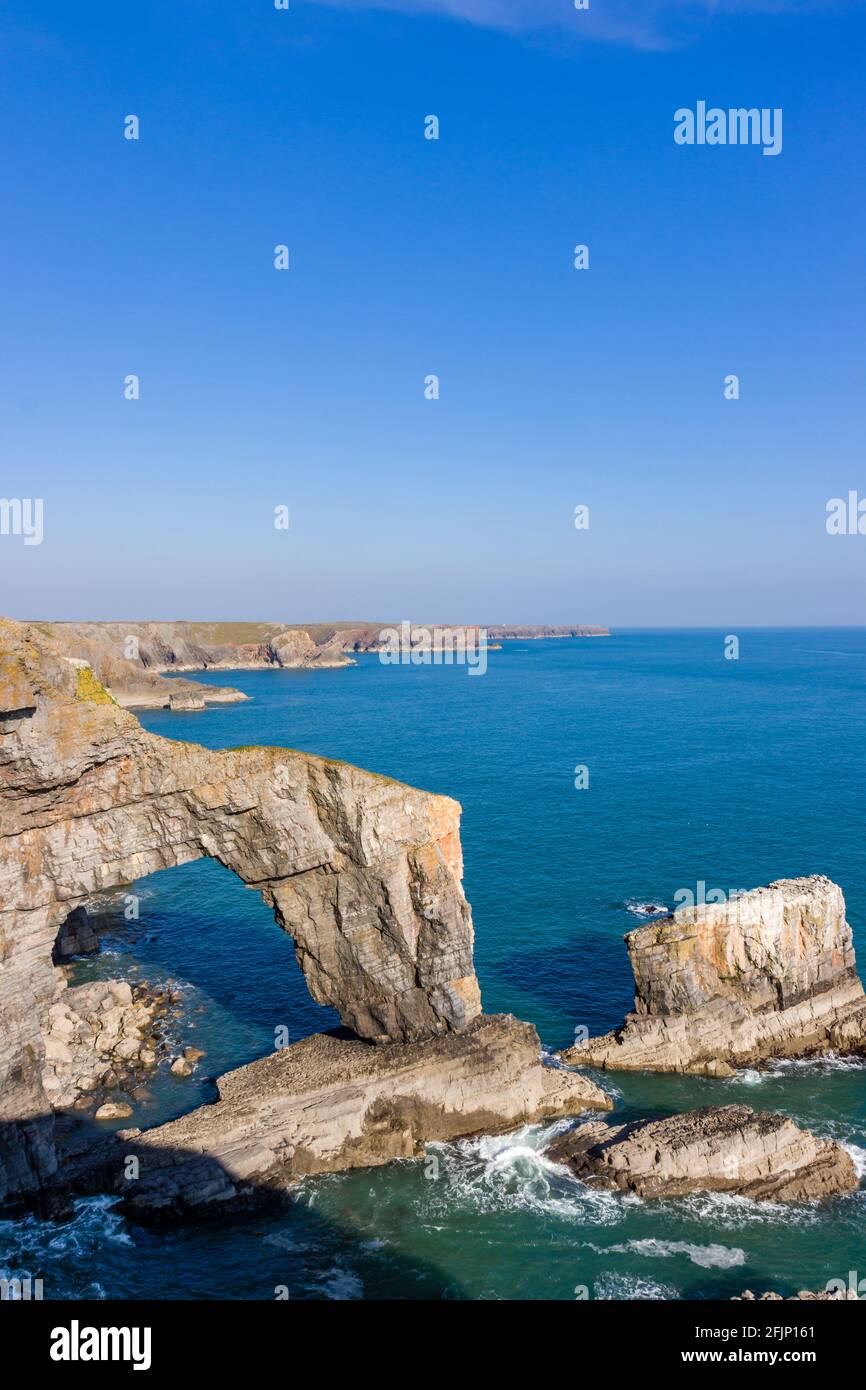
(599, 778)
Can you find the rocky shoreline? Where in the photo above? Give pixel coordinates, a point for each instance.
(328, 1104)
(102, 1039)
(131, 660)
(365, 874)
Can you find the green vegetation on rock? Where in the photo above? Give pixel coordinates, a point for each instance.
(87, 687)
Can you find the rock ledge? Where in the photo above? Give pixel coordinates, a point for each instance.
(728, 1148)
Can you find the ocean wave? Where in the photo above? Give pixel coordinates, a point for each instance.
(512, 1172)
(631, 1286)
(748, 1077)
(39, 1249)
(858, 1157)
(730, 1212)
(829, 1062)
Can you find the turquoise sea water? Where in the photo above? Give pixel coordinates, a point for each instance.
(730, 773)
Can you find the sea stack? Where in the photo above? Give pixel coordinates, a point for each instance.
(769, 973)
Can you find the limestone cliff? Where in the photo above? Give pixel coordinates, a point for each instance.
(769, 973)
(131, 659)
(363, 872)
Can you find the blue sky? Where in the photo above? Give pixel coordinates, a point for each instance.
(408, 257)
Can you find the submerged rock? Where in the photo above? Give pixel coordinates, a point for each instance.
(728, 1148)
(770, 973)
(113, 1110)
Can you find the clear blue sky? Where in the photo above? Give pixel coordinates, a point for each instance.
(410, 257)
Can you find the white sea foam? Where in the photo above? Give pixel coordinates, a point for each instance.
(340, 1284)
(858, 1156)
(630, 1286)
(646, 909)
(32, 1246)
(707, 1256)
(511, 1172)
(728, 1211)
(829, 1062)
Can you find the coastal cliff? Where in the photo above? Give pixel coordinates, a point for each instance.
(132, 659)
(769, 973)
(363, 872)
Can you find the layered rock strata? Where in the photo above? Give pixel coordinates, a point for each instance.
(770, 973)
(728, 1148)
(363, 872)
(329, 1103)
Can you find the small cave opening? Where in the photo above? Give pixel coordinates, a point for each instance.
(76, 937)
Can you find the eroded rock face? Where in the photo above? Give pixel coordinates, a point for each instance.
(327, 1104)
(728, 1148)
(768, 974)
(362, 871)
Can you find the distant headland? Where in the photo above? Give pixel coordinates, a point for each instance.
(132, 659)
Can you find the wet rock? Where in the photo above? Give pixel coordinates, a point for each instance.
(328, 1104)
(728, 1148)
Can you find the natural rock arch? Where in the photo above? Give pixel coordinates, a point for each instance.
(363, 872)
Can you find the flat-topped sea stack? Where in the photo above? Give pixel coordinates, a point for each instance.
(727, 1148)
(767, 974)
